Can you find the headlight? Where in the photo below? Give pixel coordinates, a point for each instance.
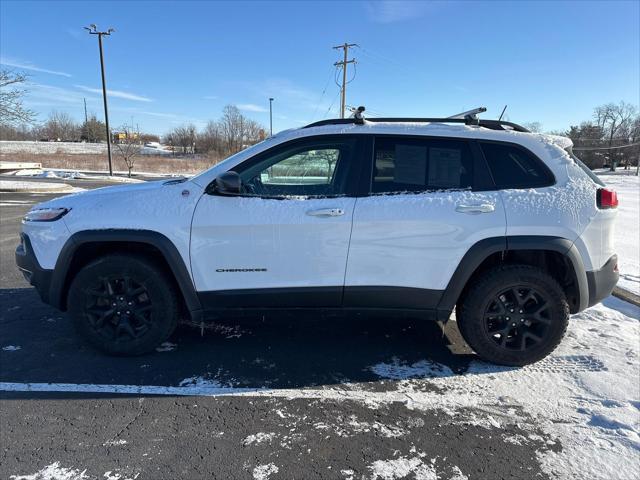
(45, 214)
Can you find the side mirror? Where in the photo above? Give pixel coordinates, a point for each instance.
(227, 183)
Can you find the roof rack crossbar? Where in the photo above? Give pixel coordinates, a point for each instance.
(490, 124)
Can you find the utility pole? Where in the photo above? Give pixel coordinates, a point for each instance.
(85, 112)
(271, 117)
(93, 30)
(343, 91)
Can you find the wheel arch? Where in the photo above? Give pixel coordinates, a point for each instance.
(86, 245)
(556, 255)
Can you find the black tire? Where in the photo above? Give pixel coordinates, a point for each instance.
(123, 304)
(513, 315)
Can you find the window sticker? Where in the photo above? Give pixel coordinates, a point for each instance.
(410, 164)
(445, 167)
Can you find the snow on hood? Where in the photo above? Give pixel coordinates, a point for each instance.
(89, 195)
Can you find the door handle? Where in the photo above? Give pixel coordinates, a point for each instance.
(475, 209)
(326, 212)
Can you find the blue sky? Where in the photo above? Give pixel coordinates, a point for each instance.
(169, 63)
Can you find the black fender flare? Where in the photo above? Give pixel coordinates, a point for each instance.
(481, 250)
(149, 237)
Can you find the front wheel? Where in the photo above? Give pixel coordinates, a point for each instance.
(123, 304)
(513, 315)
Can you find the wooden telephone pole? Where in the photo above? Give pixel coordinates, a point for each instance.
(343, 92)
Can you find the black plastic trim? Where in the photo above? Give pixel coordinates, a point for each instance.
(601, 282)
(28, 264)
(484, 248)
(359, 298)
(391, 297)
(474, 257)
(299, 297)
(155, 239)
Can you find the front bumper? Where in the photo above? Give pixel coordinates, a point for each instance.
(28, 264)
(601, 282)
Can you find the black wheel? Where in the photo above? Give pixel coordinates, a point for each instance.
(513, 315)
(123, 305)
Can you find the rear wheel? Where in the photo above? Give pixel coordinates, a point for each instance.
(514, 315)
(123, 304)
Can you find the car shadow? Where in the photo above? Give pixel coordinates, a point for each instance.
(274, 351)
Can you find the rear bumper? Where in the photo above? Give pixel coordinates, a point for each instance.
(601, 282)
(28, 264)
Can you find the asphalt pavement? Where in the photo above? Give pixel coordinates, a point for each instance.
(283, 396)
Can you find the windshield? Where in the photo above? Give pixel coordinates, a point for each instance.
(586, 169)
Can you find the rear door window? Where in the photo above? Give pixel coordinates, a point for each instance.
(515, 167)
(417, 165)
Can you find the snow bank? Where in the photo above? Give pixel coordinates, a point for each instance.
(38, 148)
(627, 234)
(37, 187)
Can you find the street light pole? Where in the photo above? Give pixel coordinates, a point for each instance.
(271, 117)
(93, 30)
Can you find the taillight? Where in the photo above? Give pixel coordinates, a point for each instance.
(606, 198)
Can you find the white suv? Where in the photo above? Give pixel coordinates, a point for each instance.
(422, 215)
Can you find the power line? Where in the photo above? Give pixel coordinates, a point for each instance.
(382, 59)
(324, 90)
(331, 106)
(344, 63)
(584, 149)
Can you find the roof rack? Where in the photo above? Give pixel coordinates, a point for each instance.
(470, 117)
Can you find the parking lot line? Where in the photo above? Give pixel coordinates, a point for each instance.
(208, 391)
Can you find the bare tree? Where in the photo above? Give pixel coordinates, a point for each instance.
(614, 120)
(128, 147)
(12, 110)
(60, 127)
(535, 127)
(210, 139)
(238, 131)
(183, 137)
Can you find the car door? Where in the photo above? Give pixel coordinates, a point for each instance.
(429, 201)
(283, 242)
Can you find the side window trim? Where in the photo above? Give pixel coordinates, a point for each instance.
(537, 161)
(483, 180)
(352, 167)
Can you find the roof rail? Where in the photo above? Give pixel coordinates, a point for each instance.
(491, 124)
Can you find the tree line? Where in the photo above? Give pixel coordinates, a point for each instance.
(219, 138)
(611, 138)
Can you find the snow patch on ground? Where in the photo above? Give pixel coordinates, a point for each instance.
(403, 467)
(350, 426)
(54, 472)
(396, 370)
(208, 380)
(263, 472)
(11, 348)
(111, 443)
(166, 347)
(258, 438)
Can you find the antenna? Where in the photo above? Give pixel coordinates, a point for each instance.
(503, 110)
